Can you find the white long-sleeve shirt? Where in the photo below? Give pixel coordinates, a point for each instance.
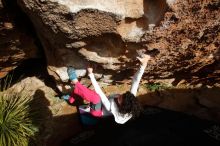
(110, 104)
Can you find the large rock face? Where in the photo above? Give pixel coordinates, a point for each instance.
(109, 33)
(77, 32)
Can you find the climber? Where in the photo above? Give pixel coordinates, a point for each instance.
(122, 107)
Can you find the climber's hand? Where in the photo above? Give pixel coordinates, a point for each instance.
(90, 70)
(144, 59)
(67, 87)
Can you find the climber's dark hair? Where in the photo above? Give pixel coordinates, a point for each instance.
(130, 105)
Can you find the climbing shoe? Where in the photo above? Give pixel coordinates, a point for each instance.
(71, 73)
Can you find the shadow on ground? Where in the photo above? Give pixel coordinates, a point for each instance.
(156, 126)
(187, 125)
(52, 129)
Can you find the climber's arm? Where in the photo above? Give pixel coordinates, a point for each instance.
(98, 90)
(138, 75)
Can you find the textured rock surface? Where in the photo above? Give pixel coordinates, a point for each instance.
(77, 32)
(188, 40)
(16, 44)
